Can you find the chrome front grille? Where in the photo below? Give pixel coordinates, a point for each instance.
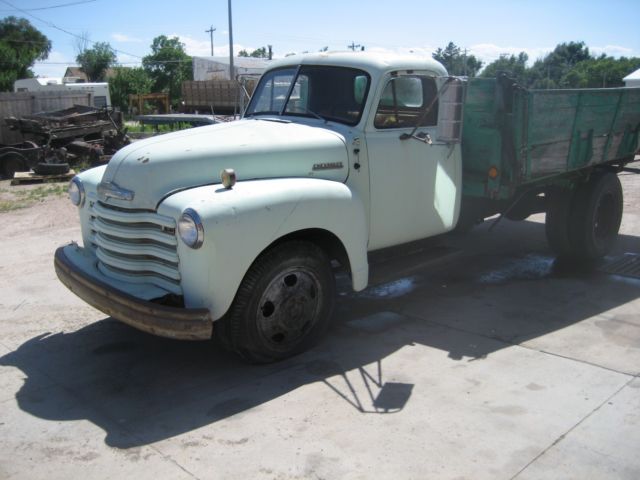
(136, 246)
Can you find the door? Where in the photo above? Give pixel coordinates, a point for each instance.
(414, 185)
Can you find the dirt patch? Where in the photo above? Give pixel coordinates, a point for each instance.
(15, 197)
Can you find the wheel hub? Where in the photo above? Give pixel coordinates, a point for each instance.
(289, 307)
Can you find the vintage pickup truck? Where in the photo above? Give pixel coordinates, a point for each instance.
(233, 230)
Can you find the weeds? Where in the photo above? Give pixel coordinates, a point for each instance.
(16, 199)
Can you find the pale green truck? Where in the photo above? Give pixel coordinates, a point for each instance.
(234, 230)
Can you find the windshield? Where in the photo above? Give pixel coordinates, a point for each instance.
(330, 93)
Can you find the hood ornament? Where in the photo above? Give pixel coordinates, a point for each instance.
(108, 190)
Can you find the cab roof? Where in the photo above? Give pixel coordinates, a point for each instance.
(372, 62)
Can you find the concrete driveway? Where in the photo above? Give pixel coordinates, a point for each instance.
(495, 362)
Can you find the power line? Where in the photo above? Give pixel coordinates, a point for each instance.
(52, 25)
(56, 6)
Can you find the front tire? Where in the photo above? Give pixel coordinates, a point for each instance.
(283, 305)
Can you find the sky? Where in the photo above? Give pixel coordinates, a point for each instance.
(484, 28)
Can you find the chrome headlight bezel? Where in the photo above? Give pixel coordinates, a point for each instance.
(191, 229)
(76, 192)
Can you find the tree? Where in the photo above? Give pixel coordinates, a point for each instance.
(96, 60)
(457, 62)
(514, 67)
(551, 71)
(127, 81)
(21, 45)
(600, 72)
(168, 66)
(257, 53)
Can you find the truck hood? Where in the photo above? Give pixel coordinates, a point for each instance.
(143, 173)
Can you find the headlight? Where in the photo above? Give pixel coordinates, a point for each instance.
(76, 192)
(191, 229)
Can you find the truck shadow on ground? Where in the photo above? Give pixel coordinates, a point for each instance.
(142, 389)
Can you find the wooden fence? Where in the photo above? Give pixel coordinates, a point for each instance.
(216, 96)
(25, 103)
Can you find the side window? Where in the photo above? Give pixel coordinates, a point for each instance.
(100, 101)
(404, 101)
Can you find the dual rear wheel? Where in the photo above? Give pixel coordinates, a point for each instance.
(584, 223)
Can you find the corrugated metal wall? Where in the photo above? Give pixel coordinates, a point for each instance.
(25, 103)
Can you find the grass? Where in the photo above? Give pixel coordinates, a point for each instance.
(14, 199)
(140, 128)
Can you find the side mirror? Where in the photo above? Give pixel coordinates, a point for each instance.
(450, 111)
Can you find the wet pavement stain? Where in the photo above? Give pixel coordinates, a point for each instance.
(378, 322)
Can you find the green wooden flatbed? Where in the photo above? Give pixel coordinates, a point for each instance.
(516, 139)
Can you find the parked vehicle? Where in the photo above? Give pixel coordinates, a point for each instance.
(63, 137)
(19, 157)
(338, 155)
(99, 92)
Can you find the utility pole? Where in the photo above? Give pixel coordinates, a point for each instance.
(210, 31)
(231, 72)
(464, 62)
(353, 46)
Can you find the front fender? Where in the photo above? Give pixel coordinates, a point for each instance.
(241, 222)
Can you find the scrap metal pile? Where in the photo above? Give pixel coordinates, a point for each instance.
(54, 141)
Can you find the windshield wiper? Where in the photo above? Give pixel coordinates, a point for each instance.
(317, 115)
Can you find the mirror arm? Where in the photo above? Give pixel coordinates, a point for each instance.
(405, 136)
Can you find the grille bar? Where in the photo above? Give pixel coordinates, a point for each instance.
(133, 232)
(136, 246)
(135, 249)
(121, 216)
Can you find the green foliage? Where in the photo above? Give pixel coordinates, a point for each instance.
(258, 53)
(569, 65)
(456, 61)
(168, 66)
(96, 60)
(21, 45)
(600, 72)
(514, 67)
(550, 72)
(127, 81)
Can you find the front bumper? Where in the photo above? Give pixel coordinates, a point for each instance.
(161, 320)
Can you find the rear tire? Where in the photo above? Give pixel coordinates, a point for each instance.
(12, 163)
(283, 306)
(596, 214)
(557, 222)
(583, 224)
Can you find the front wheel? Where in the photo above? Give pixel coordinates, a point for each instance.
(283, 305)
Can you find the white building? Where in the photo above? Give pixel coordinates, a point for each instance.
(633, 79)
(217, 68)
(99, 91)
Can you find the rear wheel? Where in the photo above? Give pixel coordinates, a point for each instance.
(584, 223)
(12, 163)
(283, 306)
(557, 221)
(596, 214)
